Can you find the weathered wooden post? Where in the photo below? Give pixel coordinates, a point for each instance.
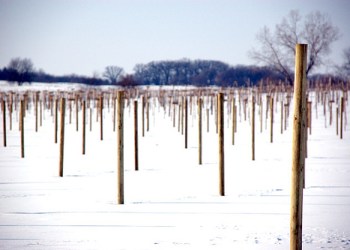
(199, 130)
(101, 117)
(253, 128)
(309, 116)
(186, 120)
(337, 120)
(84, 126)
(4, 121)
(143, 115)
(207, 115)
(271, 119)
(120, 147)
(282, 107)
(341, 116)
(136, 143)
(36, 110)
(76, 112)
(220, 119)
(22, 127)
(62, 107)
(147, 113)
(298, 156)
(56, 119)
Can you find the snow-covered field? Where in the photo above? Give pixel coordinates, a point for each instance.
(171, 202)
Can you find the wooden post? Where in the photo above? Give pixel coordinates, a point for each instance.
(253, 128)
(101, 117)
(22, 127)
(84, 126)
(136, 144)
(199, 130)
(282, 107)
(271, 119)
(36, 111)
(120, 149)
(56, 119)
(207, 115)
(90, 118)
(309, 116)
(186, 120)
(63, 107)
(233, 120)
(220, 119)
(114, 112)
(76, 112)
(298, 156)
(341, 116)
(4, 121)
(337, 121)
(147, 114)
(143, 116)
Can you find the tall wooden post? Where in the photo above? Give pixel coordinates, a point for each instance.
(84, 126)
(36, 110)
(271, 119)
(136, 143)
(341, 117)
(62, 107)
(253, 128)
(220, 119)
(120, 149)
(101, 117)
(199, 130)
(4, 121)
(186, 120)
(22, 127)
(143, 116)
(337, 120)
(298, 156)
(76, 112)
(282, 110)
(233, 120)
(56, 119)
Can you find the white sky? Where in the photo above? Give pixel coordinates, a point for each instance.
(84, 36)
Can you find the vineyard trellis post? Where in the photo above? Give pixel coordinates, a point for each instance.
(298, 155)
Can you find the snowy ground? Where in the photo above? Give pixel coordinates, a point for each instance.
(171, 202)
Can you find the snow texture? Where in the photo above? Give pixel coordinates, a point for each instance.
(171, 202)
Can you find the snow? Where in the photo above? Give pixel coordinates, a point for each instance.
(171, 202)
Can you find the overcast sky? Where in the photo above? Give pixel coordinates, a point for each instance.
(84, 36)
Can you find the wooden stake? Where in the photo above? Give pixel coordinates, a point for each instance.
(22, 127)
(63, 107)
(136, 143)
(56, 119)
(120, 149)
(84, 126)
(186, 120)
(36, 111)
(220, 119)
(341, 116)
(233, 120)
(4, 121)
(298, 156)
(101, 118)
(253, 128)
(271, 119)
(199, 130)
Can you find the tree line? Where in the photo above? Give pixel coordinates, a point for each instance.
(176, 72)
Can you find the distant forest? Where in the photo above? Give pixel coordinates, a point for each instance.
(179, 72)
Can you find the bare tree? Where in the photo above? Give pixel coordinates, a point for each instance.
(21, 70)
(277, 49)
(113, 73)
